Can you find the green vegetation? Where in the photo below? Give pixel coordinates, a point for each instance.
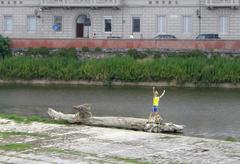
(98, 49)
(66, 52)
(15, 147)
(4, 47)
(192, 67)
(130, 160)
(169, 137)
(24, 119)
(8, 134)
(138, 55)
(84, 154)
(52, 68)
(232, 139)
(85, 49)
(42, 51)
(176, 162)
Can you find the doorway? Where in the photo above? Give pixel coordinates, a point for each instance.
(81, 23)
(80, 30)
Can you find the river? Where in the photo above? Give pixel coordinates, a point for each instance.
(206, 112)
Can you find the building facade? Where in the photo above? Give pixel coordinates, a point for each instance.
(140, 19)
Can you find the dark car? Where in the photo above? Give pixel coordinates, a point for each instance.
(165, 36)
(207, 36)
(113, 37)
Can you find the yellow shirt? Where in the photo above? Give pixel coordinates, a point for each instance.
(156, 101)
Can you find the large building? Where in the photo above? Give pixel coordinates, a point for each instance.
(144, 19)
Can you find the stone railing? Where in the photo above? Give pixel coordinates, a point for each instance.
(81, 3)
(19, 3)
(222, 3)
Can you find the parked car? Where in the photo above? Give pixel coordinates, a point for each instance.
(113, 37)
(165, 36)
(207, 36)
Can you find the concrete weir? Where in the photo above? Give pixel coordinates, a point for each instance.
(54, 143)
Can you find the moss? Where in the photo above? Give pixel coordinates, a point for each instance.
(169, 137)
(67, 151)
(24, 119)
(15, 147)
(232, 139)
(176, 162)
(130, 160)
(8, 134)
(84, 154)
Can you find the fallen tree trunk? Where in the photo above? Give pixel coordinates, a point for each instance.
(84, 116)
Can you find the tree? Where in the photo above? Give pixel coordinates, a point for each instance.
(4, 47)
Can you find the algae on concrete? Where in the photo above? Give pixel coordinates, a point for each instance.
(16, 147)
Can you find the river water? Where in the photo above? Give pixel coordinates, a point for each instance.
(210, 113)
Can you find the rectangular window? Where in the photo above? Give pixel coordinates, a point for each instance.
(161, 25)
(31, 24)
(187, 24)
(223, 25)
(57, 26)
(136, 24)
(108, 24)
(8, 24)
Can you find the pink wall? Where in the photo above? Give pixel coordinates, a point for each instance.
(226, 45)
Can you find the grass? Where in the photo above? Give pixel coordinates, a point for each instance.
(169, 137)
(8, 134)
(130, 160)
(16, 147)
(24, 119)
(176, 162)
(84, 154)
(182, 68)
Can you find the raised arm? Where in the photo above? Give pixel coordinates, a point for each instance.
(162, 94)
(153, 90)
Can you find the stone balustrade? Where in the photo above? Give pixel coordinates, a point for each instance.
(80, 3)
(222, 3)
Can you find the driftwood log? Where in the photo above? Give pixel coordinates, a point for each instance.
(84, 116)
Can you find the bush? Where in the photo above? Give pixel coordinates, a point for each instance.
(85, 49)
(135, 54)
(98, 49)
(42, 51)
(5, 49)
(66, 52)
(158, 54)
(197, 53)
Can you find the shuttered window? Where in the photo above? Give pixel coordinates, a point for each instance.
(223, 25)
(187, 24)
(8, 24)
(57, 26)
(31, 24)
(108, 24)
(161, 24)
(136, 24)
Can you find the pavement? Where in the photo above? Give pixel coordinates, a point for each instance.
(71, 144)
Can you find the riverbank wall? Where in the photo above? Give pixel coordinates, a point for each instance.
(119, 45)
(118, 83)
